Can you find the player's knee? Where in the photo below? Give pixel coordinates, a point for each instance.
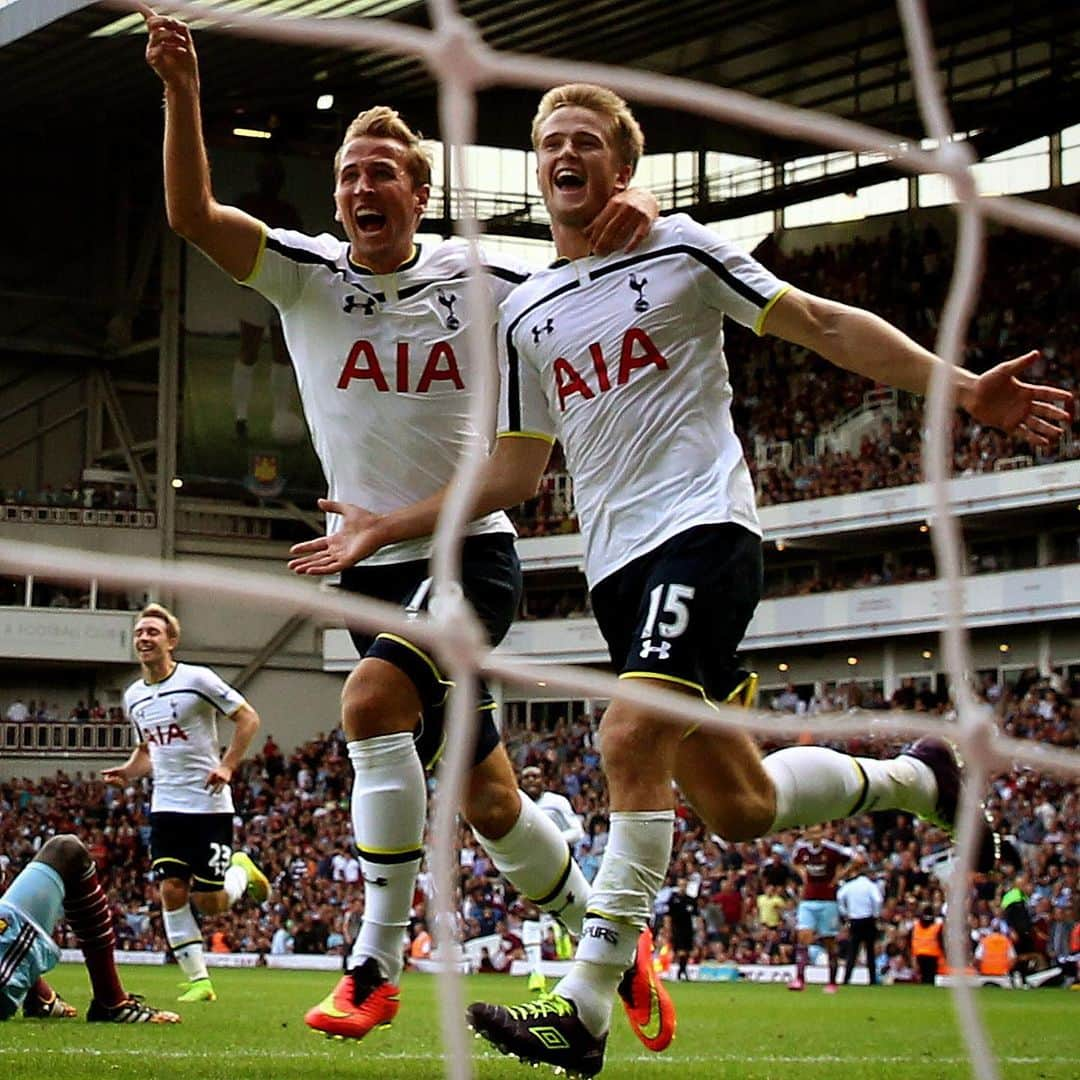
(368, 711)
(751, 815)
(629, 736)
(67, 855)
(174, 893)
(492, 809)
(210, 903)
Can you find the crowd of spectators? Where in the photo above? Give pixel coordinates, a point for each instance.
(98, 496)
(785, 394)
(42, 712)
(292, 814)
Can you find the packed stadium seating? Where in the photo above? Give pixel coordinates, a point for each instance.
(293, 816)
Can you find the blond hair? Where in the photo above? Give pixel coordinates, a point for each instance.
(159, 611)
(382, 122)
(625, 130)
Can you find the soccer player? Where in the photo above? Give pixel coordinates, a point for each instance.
(558, 808)
(376, 329)
(818, 862)
(62, 879)
(174, 709)
(620, 358)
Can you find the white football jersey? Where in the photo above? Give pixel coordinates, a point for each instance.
(621, 359)
(177, 720)
(383, 368)
(559, 809)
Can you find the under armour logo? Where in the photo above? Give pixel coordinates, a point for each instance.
(381, 881)
(543, 328)
(640, 304)
(350, 304)
(448, 302)
(663, 650)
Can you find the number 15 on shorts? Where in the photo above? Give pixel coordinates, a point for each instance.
(668, 617)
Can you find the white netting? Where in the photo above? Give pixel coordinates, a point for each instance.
(458, 58)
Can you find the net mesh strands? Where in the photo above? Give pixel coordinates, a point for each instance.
(458, 58)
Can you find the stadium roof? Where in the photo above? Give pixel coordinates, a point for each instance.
(1009, 67)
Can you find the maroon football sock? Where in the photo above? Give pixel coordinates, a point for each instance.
(87, 912)
(802, 957)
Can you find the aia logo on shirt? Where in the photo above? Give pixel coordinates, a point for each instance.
(637, 351)
(159, 735)
(404, 370)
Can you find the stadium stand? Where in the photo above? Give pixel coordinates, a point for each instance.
(293, 816)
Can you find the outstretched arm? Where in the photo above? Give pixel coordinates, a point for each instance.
(512, 475)
(228, 235)
(866, 344)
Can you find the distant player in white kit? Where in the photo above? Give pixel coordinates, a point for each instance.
(620, 358)
(559, 809)
(174, 709)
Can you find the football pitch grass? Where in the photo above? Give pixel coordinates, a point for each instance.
(255, 1031)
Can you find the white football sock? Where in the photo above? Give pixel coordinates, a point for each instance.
(631, 872)
(534, 858)
(281, 388)
(814, 784)
(184, 937)
(389, 802)
(236, 883)
(531, 941)
(243, 379)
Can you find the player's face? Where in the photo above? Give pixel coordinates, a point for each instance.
(152, 641)
(378, 203)
(532, 785)
(814, 835)
(577, 165)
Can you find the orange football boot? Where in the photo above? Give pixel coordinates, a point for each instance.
(648, 1005)
(362, 1001)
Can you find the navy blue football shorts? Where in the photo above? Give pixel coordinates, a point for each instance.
(492, 583)
(678, 613)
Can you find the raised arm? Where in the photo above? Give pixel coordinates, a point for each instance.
(228, 235)
(511, 475)
(866, 344)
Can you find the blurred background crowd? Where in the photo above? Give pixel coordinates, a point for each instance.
(738, 900)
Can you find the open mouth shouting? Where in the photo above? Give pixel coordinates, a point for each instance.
(567, 179)
(369, 221)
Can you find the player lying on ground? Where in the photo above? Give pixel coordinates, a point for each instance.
(174, 709)
(62, 879)
(376, 327)
(621, 360)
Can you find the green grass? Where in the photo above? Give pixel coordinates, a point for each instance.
(255, 1031)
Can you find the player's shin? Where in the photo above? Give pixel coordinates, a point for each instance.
(534, 858)
(814, 784)
(185, 940)
(389, 801)
(631, 873)
(87, 911)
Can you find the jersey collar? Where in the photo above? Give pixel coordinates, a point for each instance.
(408, 264)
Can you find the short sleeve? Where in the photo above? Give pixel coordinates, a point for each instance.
(217, 691)
(285, 261)
(730, 280)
